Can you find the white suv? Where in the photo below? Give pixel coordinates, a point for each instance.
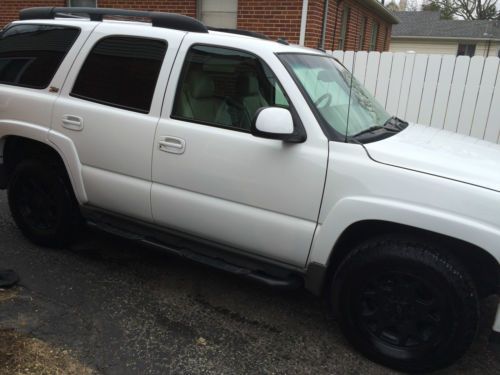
(256, 157)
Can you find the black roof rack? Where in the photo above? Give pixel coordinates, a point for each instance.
(158, 19)
(239, 32)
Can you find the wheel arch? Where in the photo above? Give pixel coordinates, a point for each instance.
(16, 148)
(482, 266)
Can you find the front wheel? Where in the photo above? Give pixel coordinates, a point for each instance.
(406, 305)
(42, 203)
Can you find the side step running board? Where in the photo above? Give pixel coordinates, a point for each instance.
(290, 281)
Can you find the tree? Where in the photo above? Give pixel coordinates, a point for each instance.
(411, 5)
(465, 9)
(444, 6)
(392, 6)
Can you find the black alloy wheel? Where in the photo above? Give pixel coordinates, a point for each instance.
(406, 305)
(42, 203)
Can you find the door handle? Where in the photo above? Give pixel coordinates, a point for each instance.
(72, 122)
(172, 145)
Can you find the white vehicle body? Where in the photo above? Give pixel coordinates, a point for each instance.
(288, 204)
(418, 178)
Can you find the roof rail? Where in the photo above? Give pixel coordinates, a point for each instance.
(239, 32)
(158, 19)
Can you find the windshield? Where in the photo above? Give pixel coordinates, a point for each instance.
(328, 85)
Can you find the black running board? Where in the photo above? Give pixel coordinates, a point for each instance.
(221, 259)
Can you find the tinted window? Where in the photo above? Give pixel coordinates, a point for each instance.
(121, 72)
(31, 54)
(225, 87)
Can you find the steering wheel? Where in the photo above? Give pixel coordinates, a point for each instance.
(327, 96)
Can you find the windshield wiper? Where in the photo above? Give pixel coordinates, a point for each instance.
(395, 123)
(369, 130)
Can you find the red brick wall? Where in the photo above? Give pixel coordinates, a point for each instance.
(356, 14)
(186, 7)
(314, 23)
(279, 18)
(9, 9)
(274, 18)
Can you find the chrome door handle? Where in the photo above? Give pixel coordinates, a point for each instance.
(72, 122)
(172, 145)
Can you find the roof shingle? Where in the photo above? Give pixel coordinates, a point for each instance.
(427, 24)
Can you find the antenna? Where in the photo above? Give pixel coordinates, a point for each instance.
(350, 83)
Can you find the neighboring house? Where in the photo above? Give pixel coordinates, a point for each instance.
(328, 24)
(425, 32)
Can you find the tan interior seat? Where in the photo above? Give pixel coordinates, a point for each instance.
(198, 101)
(250, 97)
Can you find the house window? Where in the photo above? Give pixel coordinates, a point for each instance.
(466, 50)
(374, 36)
(218, 13)
(83, 3)
(362, 31)
(343, 29)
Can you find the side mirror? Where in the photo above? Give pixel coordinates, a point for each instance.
(273, 123)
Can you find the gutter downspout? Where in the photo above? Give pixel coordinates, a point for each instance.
(303, 22)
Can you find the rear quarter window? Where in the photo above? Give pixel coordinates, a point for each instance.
(31, 54)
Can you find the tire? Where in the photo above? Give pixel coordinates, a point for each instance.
(406, 305)
(42, 203)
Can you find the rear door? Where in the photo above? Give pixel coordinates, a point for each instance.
(213, 179)
(109, 107)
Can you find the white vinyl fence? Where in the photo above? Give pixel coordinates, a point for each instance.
(460, 94)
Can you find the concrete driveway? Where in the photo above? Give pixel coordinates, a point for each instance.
(107, 306)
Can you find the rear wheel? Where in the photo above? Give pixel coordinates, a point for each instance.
(42, 203)
(406, 305)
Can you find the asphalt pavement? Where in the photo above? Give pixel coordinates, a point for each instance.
(119, 308)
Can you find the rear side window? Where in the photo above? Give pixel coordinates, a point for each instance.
(31, 54)
(121, 72)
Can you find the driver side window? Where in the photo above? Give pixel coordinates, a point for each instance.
(225, 88)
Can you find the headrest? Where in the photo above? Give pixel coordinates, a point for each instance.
(248, 85)
(201, 86)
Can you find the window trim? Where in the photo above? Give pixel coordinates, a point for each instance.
(114, 105)
(362, 28)
(374, 36)
(346, 13)
(79, 31)
(299, 129)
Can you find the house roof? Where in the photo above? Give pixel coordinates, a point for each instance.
(381, 11)
(427, 24)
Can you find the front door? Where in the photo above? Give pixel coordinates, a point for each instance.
(213, 179)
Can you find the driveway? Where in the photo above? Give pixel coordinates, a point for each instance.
(108, 306)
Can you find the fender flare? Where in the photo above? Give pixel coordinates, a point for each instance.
(61, 144)
(352, 210)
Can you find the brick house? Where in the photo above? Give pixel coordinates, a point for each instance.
(327, 24)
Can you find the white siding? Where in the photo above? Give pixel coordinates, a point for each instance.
(441, 46)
